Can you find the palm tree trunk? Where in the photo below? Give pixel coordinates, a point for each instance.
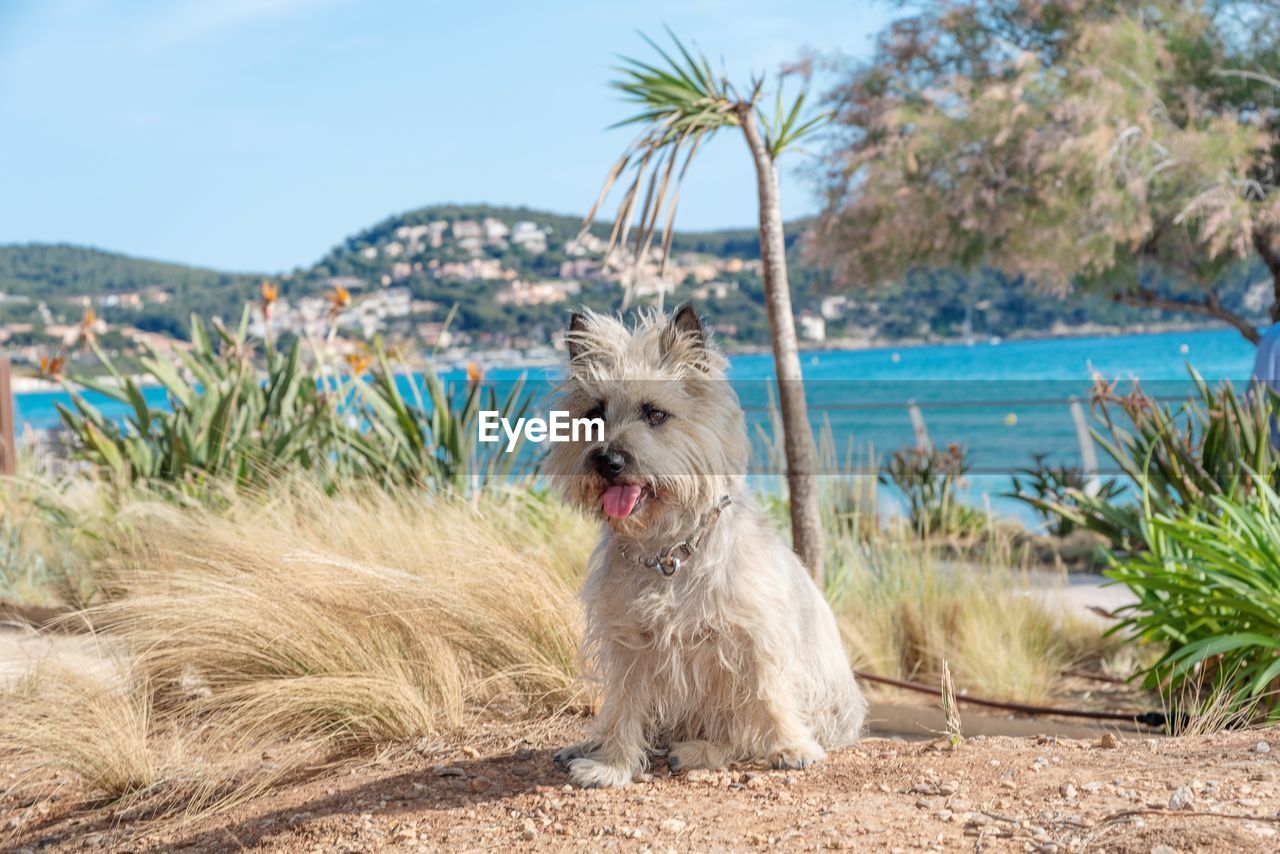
(802, 455)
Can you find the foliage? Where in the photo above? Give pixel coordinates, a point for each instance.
(682, 103)
(1208, 590)
(906, 614)
(1084, 142)
(1051, 485)
(1215, 445)
(930, 481)
(226, 420)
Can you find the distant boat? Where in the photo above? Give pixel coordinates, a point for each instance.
(994, 340)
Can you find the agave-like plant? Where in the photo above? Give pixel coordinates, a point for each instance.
(1208, 589)
(226, 418)
(1218, 444)
(222, 418)
(417, 431)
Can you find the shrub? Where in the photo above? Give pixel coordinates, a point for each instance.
(929, 481)
(1208, 589)
(1183, 458)
(1045, 486)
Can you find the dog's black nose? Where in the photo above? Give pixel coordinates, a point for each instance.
(610, 462)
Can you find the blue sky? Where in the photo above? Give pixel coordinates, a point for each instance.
(256, 134)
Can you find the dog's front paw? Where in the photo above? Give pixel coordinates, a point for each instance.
(688, 755)
(797, 756)
(594, 774)
(574, 751)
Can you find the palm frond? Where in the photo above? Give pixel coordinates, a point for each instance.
(681, 102)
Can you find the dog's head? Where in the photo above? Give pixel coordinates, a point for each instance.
(674, 438)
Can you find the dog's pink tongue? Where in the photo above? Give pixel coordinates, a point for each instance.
(620, 500)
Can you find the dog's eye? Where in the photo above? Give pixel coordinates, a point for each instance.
(596, 411)
(654, 416)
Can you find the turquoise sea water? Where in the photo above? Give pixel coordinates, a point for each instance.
(1003, 402)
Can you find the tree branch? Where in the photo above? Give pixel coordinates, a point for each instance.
(1210, 306)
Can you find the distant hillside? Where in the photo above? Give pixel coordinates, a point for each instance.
(60, 276)
(513, 273)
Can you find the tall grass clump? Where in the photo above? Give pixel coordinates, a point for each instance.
(92, 726)
(904, 612)
(365, 616)
(297, 622)
(1208, 591)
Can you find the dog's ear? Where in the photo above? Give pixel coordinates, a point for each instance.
(575, 340)
(687, 321)
(684, 339)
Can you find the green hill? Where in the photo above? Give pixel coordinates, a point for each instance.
(513, 273)
(62, 276)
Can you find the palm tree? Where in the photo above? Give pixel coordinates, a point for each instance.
(682, 104)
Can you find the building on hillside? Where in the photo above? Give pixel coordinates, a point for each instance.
(529, 236)
(835, 307)
(812, 326)
(587, 244)
(482, 269)
(495, 231)
(581, 268)
(714, 290)
(545, 292)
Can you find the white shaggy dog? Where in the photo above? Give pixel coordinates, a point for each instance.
(703, 627)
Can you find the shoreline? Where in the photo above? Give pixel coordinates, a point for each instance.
(842, 345)
(491, 359)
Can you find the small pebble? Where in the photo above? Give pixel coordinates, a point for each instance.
(1262, 747)
(1109, 741)
(1067, 791)
(672, 825)
(449, 771)
(1180, 799)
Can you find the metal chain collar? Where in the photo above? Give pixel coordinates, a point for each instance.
(668, 562)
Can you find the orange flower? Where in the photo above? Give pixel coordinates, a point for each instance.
(474, 374)
(86, 325)
(270, 292)
(358, 362)
(51, 366)
(340, 298)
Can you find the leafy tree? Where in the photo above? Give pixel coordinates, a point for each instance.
(682, 104)
(1116, 147)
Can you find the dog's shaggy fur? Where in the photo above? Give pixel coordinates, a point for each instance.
(736, 655)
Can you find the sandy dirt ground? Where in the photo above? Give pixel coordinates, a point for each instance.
(503, 792)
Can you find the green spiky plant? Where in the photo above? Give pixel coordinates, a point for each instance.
(1217, 444)
(682, 103)
(234, 416)
(1208, 590)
